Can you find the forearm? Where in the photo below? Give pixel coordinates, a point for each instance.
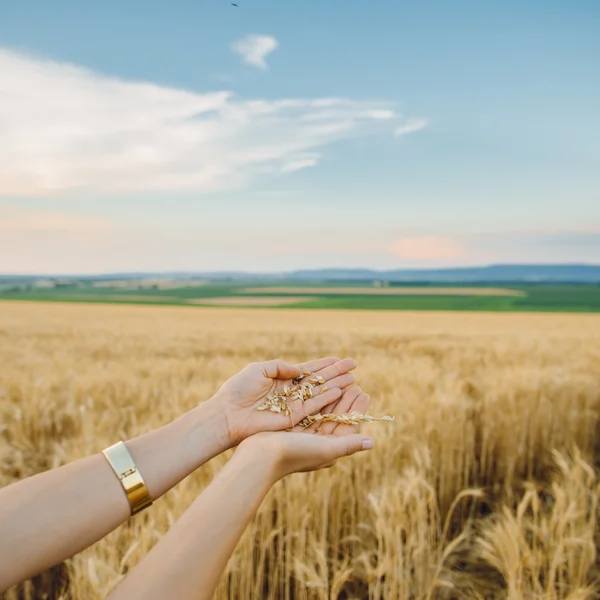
(167, 455)
(189, 560)
(51, 516)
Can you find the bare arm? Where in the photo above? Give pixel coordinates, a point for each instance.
(188, 561)
(51, 516)
(204, 537)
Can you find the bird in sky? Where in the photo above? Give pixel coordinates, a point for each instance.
(234, 4)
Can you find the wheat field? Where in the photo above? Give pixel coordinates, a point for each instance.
(485, 487)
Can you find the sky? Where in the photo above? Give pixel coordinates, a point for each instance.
(199, 136)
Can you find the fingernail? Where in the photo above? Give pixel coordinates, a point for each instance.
(368, 444)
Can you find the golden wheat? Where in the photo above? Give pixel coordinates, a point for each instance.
(486, 486)
(278, 402)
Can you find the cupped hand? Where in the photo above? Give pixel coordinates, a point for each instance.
(315, 447)
(240, 396)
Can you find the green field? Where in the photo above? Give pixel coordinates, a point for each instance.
(536, 297)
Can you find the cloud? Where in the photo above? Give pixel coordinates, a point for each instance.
(411, 125)
(429, 248)
(35, 241)
(530, 246)
(65, 129)
(254, 49)
(300, 162)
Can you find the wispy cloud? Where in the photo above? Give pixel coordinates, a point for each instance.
(254, 49)
(411, 125)
(300, 162)
(67, 129)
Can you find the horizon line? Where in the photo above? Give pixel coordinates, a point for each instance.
(302, 270)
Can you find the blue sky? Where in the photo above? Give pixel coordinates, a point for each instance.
(195, 135)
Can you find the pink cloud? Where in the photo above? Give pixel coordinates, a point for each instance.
(429, 248)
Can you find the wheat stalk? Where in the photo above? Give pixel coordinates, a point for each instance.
(278, 402)
(351, 418)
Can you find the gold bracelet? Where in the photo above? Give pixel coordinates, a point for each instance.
(122, 464)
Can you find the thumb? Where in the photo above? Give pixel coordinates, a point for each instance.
(278, 369)
(349, 444)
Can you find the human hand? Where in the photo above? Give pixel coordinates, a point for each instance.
(240, 396)
(315, 447)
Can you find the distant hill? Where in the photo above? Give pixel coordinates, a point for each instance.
(489, 274)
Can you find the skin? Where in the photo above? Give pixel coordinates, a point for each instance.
(188, 561)
(49, 517)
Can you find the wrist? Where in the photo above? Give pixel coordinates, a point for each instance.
(256, 451)
(205, 422)
(234, 421)
(167, 455)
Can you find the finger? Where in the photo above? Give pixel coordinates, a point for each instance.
(342, 382)
(336, 447)
(312, 405)
(343, 405)
(317, 365)
(330, 408)
(278, 369)
(319, 401)
(360, 404)
(336, 369)
(312, 429)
